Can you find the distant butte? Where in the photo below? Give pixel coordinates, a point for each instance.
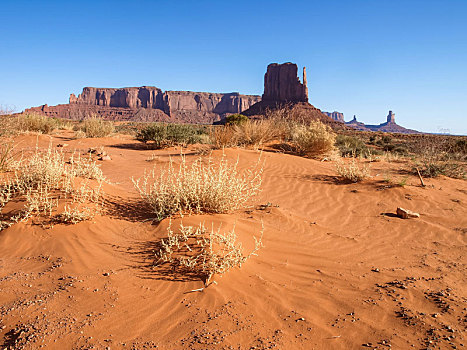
(149, 103)
(282, 88)
(389, 126)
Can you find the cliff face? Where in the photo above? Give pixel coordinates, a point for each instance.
(132, 97)
(178, 104)
(282, 88)
(337, 116)
(281, 84)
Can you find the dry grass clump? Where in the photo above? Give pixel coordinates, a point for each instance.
(222, 136)
(250, 133)
(94, 127)
(202, 187)
(203, 252)
(353, 171)
(313, 140)
(45, 182)
(33, 122)
(7, 156)
(440, 156)
(256, 132)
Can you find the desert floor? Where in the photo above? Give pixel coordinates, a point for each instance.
(338, 269)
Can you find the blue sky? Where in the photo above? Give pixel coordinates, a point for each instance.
(363, 57)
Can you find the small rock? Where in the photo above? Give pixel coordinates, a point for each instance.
(106, 274)
(62, 145)
(300, 319)
(406, 214)
(106, 157)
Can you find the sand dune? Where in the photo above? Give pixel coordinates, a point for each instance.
(338, 269)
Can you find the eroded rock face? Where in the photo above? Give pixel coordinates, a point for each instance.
(149, 103)
(131, 97)
(281, 84)
(337, 116)
(183, 104)
(391, 117)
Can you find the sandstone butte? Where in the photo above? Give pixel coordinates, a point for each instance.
(282, 87)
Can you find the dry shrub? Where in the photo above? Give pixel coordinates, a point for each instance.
(95, 127)
(353, 171)
(46, 180)
(204, 252)
(313, 140)
(202, 187)
(222, 136)
(6, 155)
(33, 122)
(256, 132)
(440, 156)
(163, 135)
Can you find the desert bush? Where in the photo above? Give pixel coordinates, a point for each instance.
(222, 136)
(256, 132)
(460, 146)
(313, 140)
(351, 146)
(6, 155)
(45, 180)
(236, 119)
(434, 157)
(198, 188)
(353, 170)
(167, 135)
(94, 127)
(203, 252)
(35, 123)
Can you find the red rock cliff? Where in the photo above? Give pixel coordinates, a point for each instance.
(281, 84)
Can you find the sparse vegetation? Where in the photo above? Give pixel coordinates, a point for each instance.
(45, 180)
(353, 170)
(222, 137)
(168, 135)
(236, 119)
(202, 187)
(32, 122)
(351, 146)
(6, 155)
(316, 139)
(94, 127)
(203, 252)
(256, 132)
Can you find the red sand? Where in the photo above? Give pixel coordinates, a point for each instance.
(338, 270)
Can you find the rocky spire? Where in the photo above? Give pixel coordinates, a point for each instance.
(305, 85)
(391, 117)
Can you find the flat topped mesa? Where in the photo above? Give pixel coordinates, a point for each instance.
(281, 84)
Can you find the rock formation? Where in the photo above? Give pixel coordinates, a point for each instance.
(337, 116)
(281, 84)
(389, 126)
(149, 103)
(282, 88)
